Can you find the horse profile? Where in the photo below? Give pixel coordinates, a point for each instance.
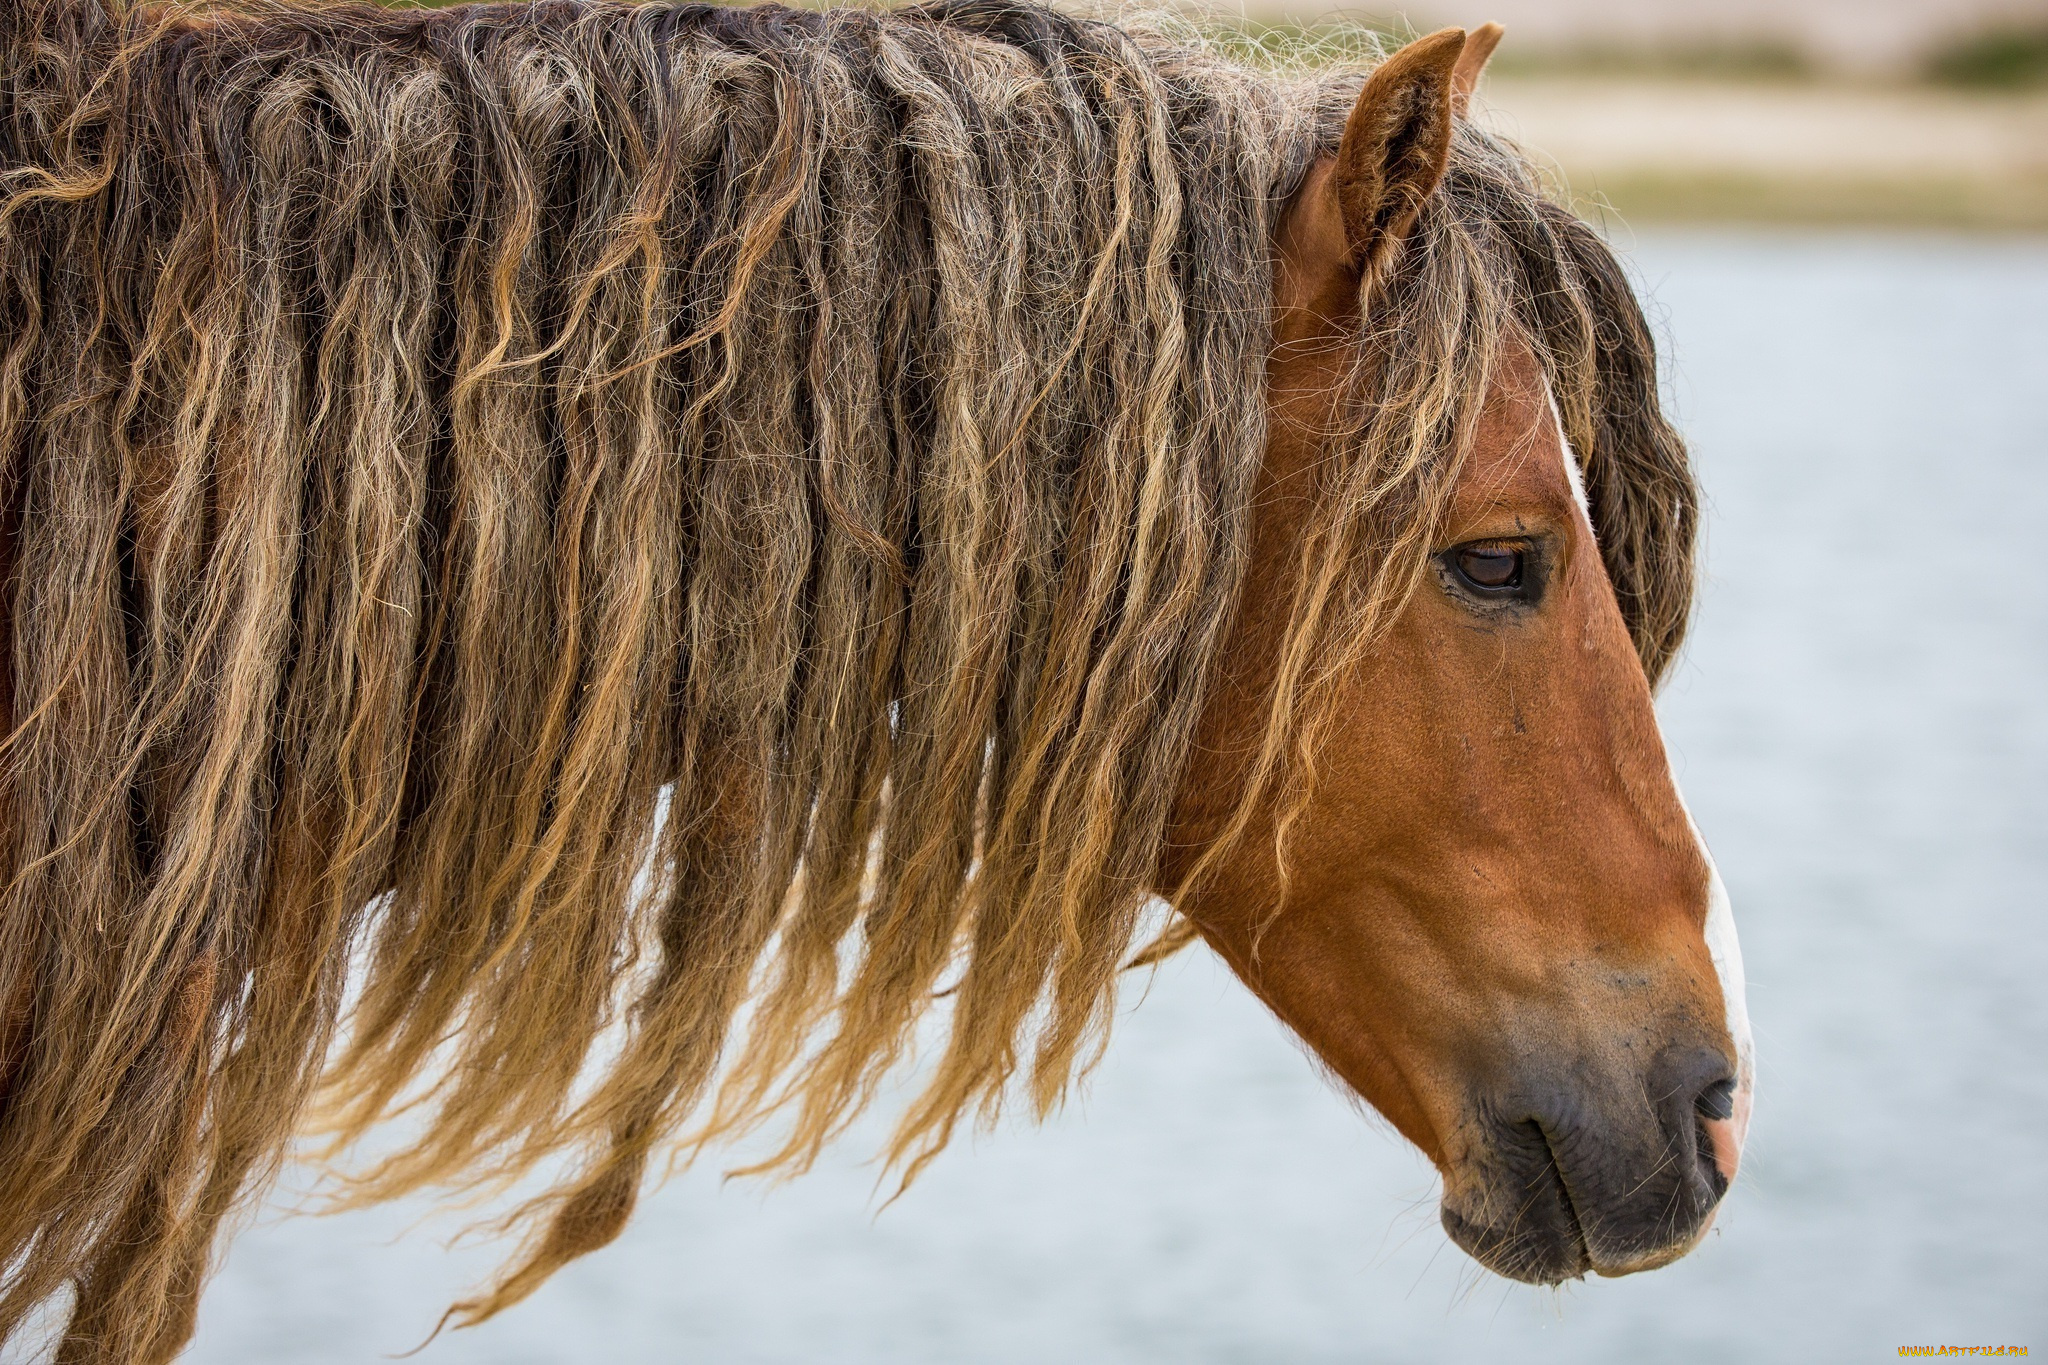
(535, 533)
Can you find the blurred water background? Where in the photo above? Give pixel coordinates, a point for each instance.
(1860, 729)
(1859, 725)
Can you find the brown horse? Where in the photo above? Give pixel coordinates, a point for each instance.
(599, 514)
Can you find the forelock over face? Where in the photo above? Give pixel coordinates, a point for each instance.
(1573, 298)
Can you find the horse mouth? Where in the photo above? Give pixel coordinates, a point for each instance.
(1543, 1204)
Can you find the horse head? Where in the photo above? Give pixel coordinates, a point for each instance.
(1489, 914)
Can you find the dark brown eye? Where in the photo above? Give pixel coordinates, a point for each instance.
(1490, 567)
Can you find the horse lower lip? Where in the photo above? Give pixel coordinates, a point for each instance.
(1574, 1226)
(1544, 1241)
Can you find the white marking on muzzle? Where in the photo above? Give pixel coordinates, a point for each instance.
(1722, 945)
(1726, 951)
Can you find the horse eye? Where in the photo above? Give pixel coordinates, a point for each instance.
(1492, 567)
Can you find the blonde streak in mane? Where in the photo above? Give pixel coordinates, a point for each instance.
(1016, 941)
(907, 928)
(648, 1076)
(655, 1093)
(420, 972)
(601, 705)
(1084, 778)
(65, 735)
(1098, 912)
(202, 876)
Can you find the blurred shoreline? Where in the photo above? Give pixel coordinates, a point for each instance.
(1907, 113)
(1820, 153)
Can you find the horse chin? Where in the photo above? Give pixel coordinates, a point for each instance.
(1540, 1243)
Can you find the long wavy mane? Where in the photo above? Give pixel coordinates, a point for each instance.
(540, 530)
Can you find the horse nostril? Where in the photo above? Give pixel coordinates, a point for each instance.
(1717, 1101)
(1697, 1098)
(1719, 1148)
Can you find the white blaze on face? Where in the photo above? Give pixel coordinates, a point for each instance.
(1722, 945)
(1726, 951)
(1572, 473)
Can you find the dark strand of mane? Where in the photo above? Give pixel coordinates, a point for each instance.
(581, 516)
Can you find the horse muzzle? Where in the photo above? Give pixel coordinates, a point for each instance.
(1555, 1180)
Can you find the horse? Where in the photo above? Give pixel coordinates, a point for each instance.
(580, 571)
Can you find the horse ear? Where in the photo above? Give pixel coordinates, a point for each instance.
(1479, 46)
(1396, 145)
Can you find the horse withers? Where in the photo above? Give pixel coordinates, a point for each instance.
(538, 531)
